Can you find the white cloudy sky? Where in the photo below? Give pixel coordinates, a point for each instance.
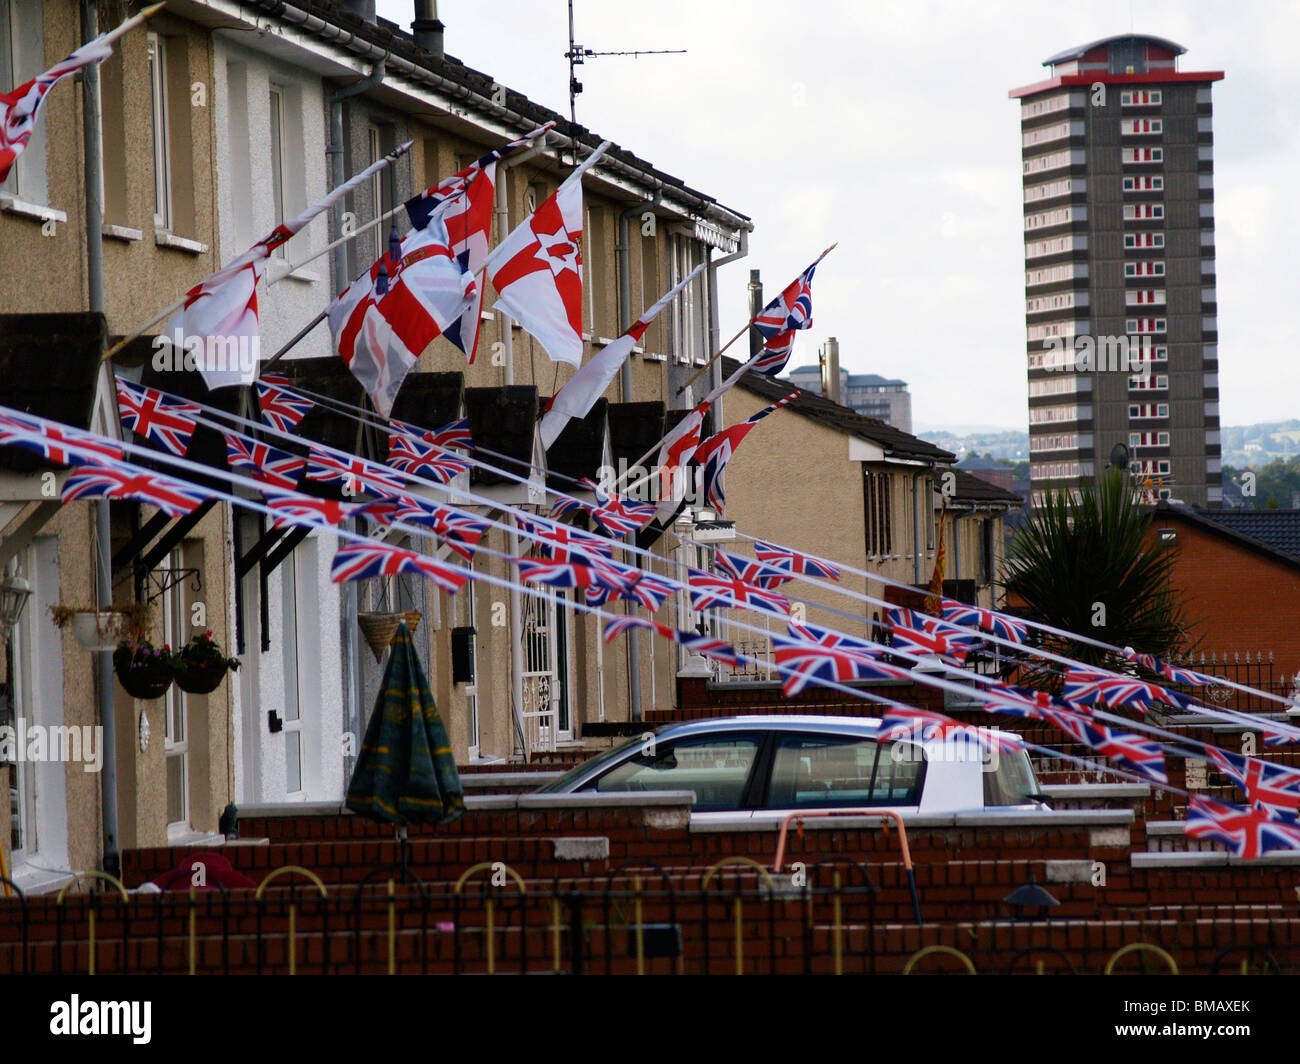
(887, 127)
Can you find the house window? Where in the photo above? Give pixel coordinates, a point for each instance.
(878, 515)
(292, 680)
(277, 160)
(14, 698)
(162, 205)
(22, 57)
(175, 705)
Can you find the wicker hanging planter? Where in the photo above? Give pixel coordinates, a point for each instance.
(379, 628)
(142, 678)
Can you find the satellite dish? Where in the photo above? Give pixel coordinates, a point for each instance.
(1119, 456)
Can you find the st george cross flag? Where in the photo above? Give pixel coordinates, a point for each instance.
(381, 329)
(998, 624)
(794, 563)
(174, 497)
(20, 107)
(537, 269)
(705, 645)
(465, 202)
(675, 452)
(579, 395)
(165, 422)
(221, 310)
(1277, 787)
(263, 463)
(712, 455)
(281, 409)
(361, 561)
(812, 655)
(1247, 832)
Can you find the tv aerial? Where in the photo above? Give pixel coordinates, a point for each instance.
(577, 55)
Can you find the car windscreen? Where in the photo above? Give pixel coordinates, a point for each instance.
(565, 782)
(715, 766)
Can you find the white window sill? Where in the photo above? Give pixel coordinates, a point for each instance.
(11, 204)
(122, 232)
(165, 239)
(184, 835)
(651, 356)
(278, 270)
(31, 879)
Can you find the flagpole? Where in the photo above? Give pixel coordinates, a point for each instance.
(742, 332)
(177, 304)
(131, 23)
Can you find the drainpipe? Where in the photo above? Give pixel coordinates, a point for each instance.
(916, 528)
(94, 172)
(335, 152)
(624, 252)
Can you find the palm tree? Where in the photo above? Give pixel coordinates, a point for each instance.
(1091, 566)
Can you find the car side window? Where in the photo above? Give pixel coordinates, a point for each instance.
(812, 772)
(715, 767)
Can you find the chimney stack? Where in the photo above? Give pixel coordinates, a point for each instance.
(755, 305)
(427, 28)
(831, 372)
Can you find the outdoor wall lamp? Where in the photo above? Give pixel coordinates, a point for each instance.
(14, 593)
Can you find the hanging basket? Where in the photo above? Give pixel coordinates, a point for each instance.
(378, 630)
(412, 618)
(99, 630)
(201, 677)
(145, 680)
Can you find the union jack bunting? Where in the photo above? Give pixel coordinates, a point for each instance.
(263, 463)
(793, 562)
(175, 498)
(350, 471)
(161, 421)
(713, 454)
(918, 633)
(724, 591)
(637, 585)
(362, 561)
(1090, 688)
(991, 621)
(58, 443)
(1246, 832)
(563, 507)
(1275, 737)
(453, 434)
(813, 655)
(563, 543)
(414, 456)
(566, 574)
(738, 567)
(305, 508)
(1172, 673)
(1138, 753)
(925, 725)
(281, 409)
(706, 645)
(1276, 787)
(1022, 701)
(457, 531)
(781, 319)
(617, 516)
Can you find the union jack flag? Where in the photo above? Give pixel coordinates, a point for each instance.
(1276, 787)
(636, 584)
(706, 645)
(564, 543)
(564, 506)
(362, 561)
(712, 456)
(1090, 688)
(1172, 673)
(925, 725)
(414, 456)
(161, 421)
(991, 621)
(915, 632)
(458, 531)
(793, 562)
(707, 590)
(750, 571)
(813, 654)
(349, 470)
(263, 463)
(173, 497)
(281, 409)
(1138, 753)
(567, 574)
(1275, 737)
(1022, 701)
(1247, 832)
(307, 509)
(52, 440)
(781, 319)
(617, 516)
(453, 434)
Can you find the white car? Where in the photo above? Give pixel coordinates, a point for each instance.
(766, 767)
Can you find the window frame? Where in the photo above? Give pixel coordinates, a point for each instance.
(160, 114)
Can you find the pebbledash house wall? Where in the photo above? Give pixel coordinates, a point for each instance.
(144, 264)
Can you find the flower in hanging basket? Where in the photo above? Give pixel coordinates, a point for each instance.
(200, 665)
(144, 670)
